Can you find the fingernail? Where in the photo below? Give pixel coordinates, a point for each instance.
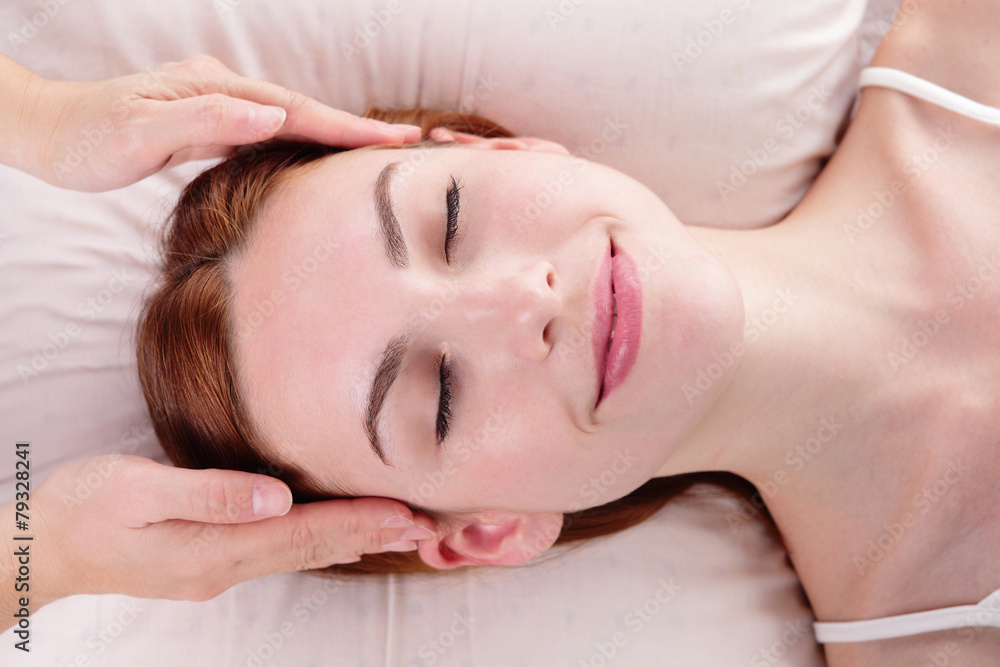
(411, 133)
(418, 533)
(402, 545)
(265, 119)
(270, 499)
(397, 522)
(345, 561)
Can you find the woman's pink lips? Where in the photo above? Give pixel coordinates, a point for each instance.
(618, 281)
(603, 320)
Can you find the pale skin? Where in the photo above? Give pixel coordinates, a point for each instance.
(853, 413)
(150, 530)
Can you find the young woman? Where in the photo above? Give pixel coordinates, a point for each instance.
(512, 341)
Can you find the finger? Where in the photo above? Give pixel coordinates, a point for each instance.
(209, 120)
(209, 496)
(315, 535)
(312, 120)
(322, 124)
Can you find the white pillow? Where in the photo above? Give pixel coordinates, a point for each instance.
(678, 95)
(726, 108)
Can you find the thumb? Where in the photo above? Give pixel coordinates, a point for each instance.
(211, 496)
(214, 120)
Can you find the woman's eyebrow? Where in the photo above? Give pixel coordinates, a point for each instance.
(395, 350)
(385, 375)
(391, 232)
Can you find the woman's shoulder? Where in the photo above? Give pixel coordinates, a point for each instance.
(899, 138)
(952, 43)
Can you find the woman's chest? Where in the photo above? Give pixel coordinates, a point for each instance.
(918, 530)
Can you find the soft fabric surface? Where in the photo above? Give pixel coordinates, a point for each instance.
(725, 108)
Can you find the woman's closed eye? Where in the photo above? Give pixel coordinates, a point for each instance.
(452, 203)
(444, 402)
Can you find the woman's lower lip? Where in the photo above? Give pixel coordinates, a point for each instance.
(628, 329)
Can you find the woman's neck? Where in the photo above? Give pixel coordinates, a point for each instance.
(810, 360)
(806, 414)
(847, 403)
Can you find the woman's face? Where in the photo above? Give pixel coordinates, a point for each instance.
(331, 293)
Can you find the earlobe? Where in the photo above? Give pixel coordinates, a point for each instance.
(494, 539)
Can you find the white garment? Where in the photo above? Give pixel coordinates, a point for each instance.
(885, 77)
(987, 612)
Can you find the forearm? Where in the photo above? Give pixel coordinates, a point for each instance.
(16, 87)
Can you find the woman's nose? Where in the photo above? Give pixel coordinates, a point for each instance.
(514, 309)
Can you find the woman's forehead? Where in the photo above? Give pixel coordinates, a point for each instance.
(307, 325)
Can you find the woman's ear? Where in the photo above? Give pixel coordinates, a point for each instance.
(493, 538)
(497, 143)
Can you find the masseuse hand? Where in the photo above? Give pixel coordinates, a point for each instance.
(108, 134)
(126, 524)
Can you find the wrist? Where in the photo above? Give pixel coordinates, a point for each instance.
(19, 598)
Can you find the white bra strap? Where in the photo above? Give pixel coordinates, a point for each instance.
(985, 614)
(886, 77)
